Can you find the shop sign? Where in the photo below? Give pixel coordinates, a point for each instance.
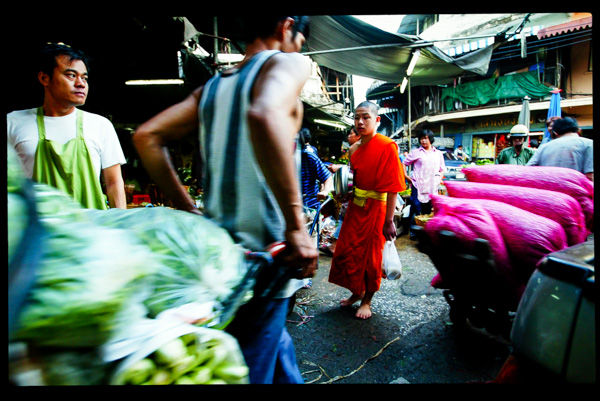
(498, 122)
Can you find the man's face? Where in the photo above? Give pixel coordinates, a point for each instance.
(353, 137)
(518, 141)
(551, 131)
(292, 43)
(365, 121)
(69, 82)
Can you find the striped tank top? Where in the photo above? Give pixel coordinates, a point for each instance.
(237, 196)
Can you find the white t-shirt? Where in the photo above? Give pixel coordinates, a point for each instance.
(99, 134)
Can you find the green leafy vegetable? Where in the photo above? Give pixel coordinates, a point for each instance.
(199, 260)
(87, 279)
(189, 359)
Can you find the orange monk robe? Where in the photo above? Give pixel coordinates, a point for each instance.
(356, 263)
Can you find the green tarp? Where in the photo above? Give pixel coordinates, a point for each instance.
(480, 93)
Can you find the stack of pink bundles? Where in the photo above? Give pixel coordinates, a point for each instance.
(557, 206)
(470, 221)
(525, 213)
(557, 179)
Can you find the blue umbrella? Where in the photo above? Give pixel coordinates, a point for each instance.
(553, 111)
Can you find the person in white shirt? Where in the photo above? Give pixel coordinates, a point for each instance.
(568, 149)
(60, 145)
(460, 153)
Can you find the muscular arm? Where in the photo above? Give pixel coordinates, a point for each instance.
(274, 121)
(115, 187)
(151, 139)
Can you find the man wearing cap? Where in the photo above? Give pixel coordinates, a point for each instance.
(517, 153)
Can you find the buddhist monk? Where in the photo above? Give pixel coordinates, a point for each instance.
(378, 177)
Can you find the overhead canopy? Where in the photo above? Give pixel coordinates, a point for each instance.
(329, 34)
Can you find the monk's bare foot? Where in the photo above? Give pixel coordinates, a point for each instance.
(364, 311)
(352, 300)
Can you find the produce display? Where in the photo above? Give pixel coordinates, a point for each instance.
(422, 219)
(123, 296)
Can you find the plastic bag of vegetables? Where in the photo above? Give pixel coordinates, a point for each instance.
(169, 351)
(88, 280)
(200, 263)
(25, 236)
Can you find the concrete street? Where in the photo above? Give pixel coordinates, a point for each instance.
(409, 338)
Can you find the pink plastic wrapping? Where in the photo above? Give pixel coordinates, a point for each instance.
(528, 236)
(557, 206)
(559, 179)
(518, 239)
(468, 222)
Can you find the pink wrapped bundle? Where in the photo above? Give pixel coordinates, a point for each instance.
(528, 236)
(559, 179)
(468, 222)
(557, 206)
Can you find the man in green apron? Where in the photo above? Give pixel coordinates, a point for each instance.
(50, 139)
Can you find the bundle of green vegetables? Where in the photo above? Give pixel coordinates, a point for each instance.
(17, 210)
(199, 262)
(88, 281)
(176, 353)
(102, 271)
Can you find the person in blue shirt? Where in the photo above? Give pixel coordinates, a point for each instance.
(317, 181)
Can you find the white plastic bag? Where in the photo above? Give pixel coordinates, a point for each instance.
(392, 267)
(208, 356)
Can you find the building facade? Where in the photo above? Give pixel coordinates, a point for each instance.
(552, 52)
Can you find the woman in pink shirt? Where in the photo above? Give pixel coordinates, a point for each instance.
(428, 167)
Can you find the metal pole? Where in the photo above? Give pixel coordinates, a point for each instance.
(409, 122)
(215, 45)
(418, 45)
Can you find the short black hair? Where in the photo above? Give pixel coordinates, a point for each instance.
(305, 133)
(263, 26)
(565, 125)
(426, 133)
(50, 51)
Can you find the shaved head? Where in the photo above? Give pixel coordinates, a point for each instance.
(373, 108)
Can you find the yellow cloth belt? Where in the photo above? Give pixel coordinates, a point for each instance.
(360, 196)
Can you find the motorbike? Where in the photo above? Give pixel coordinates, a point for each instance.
(549, 324)
(471, 286)
(554, 333)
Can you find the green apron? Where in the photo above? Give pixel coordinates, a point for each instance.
(68, 167)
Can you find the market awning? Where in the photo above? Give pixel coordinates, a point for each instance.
(318, 116)
(385, 56)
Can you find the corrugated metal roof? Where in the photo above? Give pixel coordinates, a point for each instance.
(571, 26)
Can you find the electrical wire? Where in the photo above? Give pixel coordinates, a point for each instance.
(542, 45)
(517, 54)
